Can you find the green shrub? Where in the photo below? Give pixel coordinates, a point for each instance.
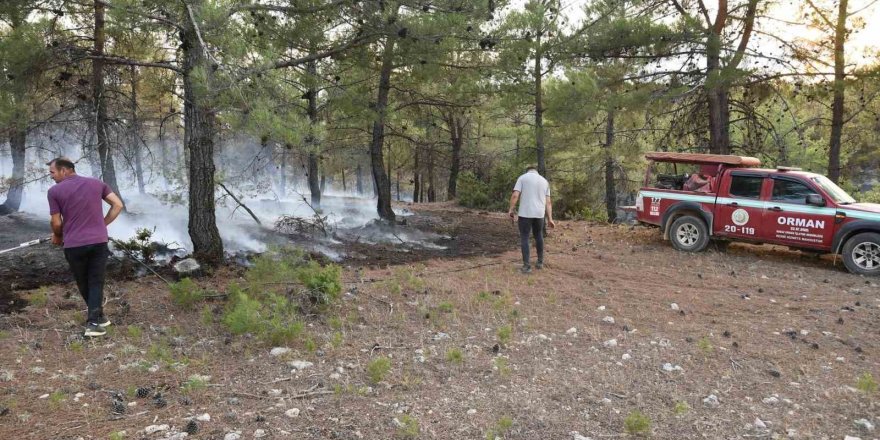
(39, 298)
(324, 283)
(637, 423)
(186, 293)
(505, 332)
(492, 193)
(455, 356)
(680, 408)
(140, 246)
(501, 427)
(408, 427)
(134, 331)
(866, 383)
(446, 307)
(378, 368)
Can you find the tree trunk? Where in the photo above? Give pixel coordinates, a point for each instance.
(136, 144)
(17, 145)
(283, 170)
(315, 188)
(200, 125)
(719, 140)
(416, 177)
(839, 94)
(359, 180)
(539, 108)
(380, 177)
(610, 192)
(108, 171)
(456, 130)
(344, 186)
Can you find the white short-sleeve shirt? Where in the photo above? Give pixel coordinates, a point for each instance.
(533, 192)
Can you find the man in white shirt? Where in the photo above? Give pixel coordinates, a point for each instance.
(533, 193)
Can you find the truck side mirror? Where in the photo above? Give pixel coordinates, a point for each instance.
(815, 200)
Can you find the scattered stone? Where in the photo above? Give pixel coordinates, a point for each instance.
(274, 392)
(278, 351)
(600, 308)
(233, 401)
(260, 433)
(571, 331)
(300, 365)
(608, 319)
(232, 436)
(152, 429)
(611, 343)
(577, 436)
(674, 306)
(192, 427)
(440, 336)
(864, 424)
(849, 437)
(204, 417)
(292, 412)
(668, 367)
(188, 268)
(711, 400)
(759, 424)
(772, 400)
(471, 412)
(626, 357)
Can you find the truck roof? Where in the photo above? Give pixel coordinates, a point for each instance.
(739, 161)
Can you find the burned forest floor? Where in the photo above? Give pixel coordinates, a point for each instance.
(619, 336)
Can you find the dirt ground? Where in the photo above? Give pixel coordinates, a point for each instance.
(476, 349)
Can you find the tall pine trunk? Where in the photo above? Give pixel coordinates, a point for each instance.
(17, 145)
(108, 171)
(200, 125)
(315, 188)
(610, 192)
(839, 93)
(539, 108)
(381, 181)
(456, 131)
(136, 144)
(359, 180)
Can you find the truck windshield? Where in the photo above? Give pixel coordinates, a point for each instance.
(837, 194)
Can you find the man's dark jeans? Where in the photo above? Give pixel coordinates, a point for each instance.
(89, 264)
(536, 227)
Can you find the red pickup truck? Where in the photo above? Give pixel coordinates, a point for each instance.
(730, 198)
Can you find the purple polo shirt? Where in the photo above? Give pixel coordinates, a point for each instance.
(79, 200)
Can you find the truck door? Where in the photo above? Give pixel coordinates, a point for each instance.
(739, 209)
(789, 220)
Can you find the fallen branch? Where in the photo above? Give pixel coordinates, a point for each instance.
(253, 216)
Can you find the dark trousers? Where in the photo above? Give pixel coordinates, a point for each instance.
(89, 264)
(536, 227)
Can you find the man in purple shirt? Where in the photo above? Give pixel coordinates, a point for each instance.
(78, 222)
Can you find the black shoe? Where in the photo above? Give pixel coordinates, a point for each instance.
(526, 268)
(93, 330)
(539, 265)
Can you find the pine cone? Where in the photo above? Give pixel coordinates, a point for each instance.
(143, 393)
(191, 427)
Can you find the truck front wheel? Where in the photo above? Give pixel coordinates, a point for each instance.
(861, 254)
(689, 234)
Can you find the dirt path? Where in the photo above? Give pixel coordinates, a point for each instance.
(477, 350)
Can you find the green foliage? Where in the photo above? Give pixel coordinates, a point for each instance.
(502, 365)
(186, 293)
(446, 307)
(637, 423)
(206, 317)
(680, 408)
(705, 345)
(504, 333)
(117, 435)
(39, 298)
(272, 318)
(56, 398)
(866, 383)
(492, 193)
(408, 427)
(140, 246)
(134, 331)
(378, 368)
(194, 383)
(501, 427)
(454, 356)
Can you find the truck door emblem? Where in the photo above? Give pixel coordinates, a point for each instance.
(740, 217)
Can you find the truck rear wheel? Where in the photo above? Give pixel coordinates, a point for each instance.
(689, 234)
(861, 254)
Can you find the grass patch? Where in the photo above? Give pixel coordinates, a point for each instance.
(866, 383)
(134, 331)
(404, 279)
(705, 345)
(501, 365)
(186, 293)
(160, 352)
(337, 339)
(76, 346)
(193, 384)
(55, 399)
(454, 356)
(408, 427)
(501, 427)
(39, 298)
(504, 333)
(446, 307)
(680, 408)
(636, 423)
(117, 435)
(378, 368)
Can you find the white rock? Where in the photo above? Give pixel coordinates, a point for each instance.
(608, 319)
(543, 337)
(626, 357)
(611, 343)
(278, 351)
(44, 396)
(335, 376)
(600, 308)
(864, 424)
(275, 392)
(440, 336)
(673, 306)
(772, 400)
(471, 412)
(204, 417)
(260, 433)
(571, 331)
(577, 436)
(759, 424)
(177, 436)
(300, 365)
(849, 437)
(668, 367)
(840, 359)
(292, 412)
(232, 436)
(152, 429)
(711, 400)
